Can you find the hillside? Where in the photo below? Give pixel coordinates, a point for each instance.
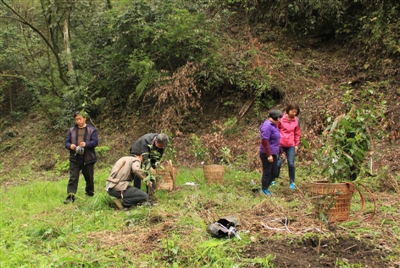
(208, 96)
(321, 78)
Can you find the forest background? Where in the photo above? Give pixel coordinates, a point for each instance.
(204, 72)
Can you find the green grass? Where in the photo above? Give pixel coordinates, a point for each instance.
(38, 230)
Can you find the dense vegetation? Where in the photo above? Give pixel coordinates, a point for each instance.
(118, 58)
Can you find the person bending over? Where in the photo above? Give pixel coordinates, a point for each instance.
(121, 176)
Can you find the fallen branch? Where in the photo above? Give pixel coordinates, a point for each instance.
(195, 176)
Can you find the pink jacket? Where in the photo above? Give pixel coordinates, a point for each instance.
(290, 132)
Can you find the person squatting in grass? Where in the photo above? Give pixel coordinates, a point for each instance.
(152, 146)
(289, 128)
(269, 150)
(118, 183)
(81, 142)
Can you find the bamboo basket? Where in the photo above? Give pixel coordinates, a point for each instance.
(166, 177)
(333, 199)
(214, 174)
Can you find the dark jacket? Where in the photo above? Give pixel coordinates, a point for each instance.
(145, 145)
(91, 140)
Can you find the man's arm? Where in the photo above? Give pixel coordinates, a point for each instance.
(68, 141)
(94, 139)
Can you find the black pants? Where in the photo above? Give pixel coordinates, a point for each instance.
(270, 170)
(87, 171)
(131, 196)
(137, 182)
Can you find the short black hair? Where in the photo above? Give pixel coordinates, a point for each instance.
(275, 114)
(81, 113)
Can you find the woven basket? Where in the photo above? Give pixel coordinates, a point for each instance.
(332, 199)
(166, 177)
(214, 174)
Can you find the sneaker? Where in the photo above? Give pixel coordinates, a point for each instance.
(70, 199)
(89, 194)
(265, 192)
(292, 186)
(118, 203)
(273, 183)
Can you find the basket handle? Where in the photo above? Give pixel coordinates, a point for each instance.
(373, 198)
(362, 201)
(171, 170)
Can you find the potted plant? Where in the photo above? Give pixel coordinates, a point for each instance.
(347, 142)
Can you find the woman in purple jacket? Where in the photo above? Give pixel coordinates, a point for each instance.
(269, 150)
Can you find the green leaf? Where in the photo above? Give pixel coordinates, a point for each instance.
(305, 143)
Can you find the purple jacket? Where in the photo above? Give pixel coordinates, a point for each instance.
(270, 132)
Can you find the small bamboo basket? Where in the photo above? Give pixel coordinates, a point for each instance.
(332, 199)
(214, 174)
(166, 177)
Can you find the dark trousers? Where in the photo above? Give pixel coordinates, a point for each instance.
(131, 196)
(87, 171)
(270, 170)
(137, 183)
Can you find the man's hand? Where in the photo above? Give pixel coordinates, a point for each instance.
(72, 147)
(150, 190)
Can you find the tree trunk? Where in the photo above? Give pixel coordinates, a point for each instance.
(67, 43)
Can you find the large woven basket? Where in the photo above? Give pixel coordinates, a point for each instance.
(214, 174)
(332, 199)
(166, 177)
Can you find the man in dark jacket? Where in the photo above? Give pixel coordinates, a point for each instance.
(152, 146)
(81, 142)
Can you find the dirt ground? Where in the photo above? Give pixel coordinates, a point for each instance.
(313, 252)
(293, 236)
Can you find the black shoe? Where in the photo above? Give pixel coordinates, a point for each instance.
(90, 194)
(70, 199)
(148, 204)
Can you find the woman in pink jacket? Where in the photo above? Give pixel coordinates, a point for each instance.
(289, 129)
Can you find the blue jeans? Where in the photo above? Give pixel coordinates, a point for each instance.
(290, 155)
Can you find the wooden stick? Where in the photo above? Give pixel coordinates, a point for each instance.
(195, 176)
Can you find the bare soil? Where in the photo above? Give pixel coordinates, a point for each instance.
(313, 252)
(294, 237)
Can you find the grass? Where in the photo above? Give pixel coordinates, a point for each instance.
(38, 230)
